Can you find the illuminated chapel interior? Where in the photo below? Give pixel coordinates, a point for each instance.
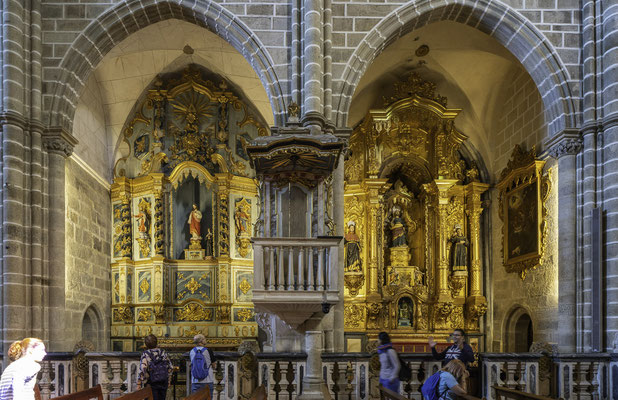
(290, 186)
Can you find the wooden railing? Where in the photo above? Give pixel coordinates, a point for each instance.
(506, 393)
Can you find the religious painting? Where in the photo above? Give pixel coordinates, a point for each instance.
(523, 191)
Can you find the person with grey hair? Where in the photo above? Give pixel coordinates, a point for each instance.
(202, 364)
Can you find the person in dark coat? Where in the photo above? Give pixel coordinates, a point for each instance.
(459, 350)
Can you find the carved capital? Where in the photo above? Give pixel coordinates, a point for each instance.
(566, 147)
(59, 141)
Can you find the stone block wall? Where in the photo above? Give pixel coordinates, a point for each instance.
(87, 254)
(537, 294)
(270, 23)
(522, 121)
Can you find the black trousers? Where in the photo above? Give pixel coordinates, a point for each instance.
(159, 391)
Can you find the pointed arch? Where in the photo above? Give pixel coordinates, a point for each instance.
(127, 17)
(512, 30)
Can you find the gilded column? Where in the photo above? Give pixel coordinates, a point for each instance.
(374, 189)
(442, 187)
(474, 209)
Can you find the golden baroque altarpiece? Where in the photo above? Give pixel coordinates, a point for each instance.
(184, 201)
(412, 221)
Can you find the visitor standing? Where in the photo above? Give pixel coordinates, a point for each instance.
(202, 365)
(155, 369)
(18, 379)
(389, 363)
(459, 350)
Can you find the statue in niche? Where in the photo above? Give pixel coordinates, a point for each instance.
(404, 312)
(242, 221)
(459, 249)
(398, 229)
(195, 229)
(143, 222)
(209, 253)
(353, 262)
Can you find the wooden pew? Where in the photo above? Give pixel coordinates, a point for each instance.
(202, 394)
(88, 394)
(142, 394)
(506, 393)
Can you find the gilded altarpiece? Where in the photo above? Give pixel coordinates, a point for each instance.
(184, 202)
(412, 221)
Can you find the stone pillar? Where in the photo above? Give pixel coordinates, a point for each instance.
(608, 54)
(313, 381)
(565, 147)
(59, 145)
(312, 61)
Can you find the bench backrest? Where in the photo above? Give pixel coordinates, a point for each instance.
(202, 394)
(142, 394)
(88, 394)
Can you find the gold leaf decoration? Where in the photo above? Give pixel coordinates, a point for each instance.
(244, 286)
(144, 285)
(193, 285)
(193, 312)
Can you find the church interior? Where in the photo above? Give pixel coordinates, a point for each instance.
(290, 178)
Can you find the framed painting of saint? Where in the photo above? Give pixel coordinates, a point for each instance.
(523, 191)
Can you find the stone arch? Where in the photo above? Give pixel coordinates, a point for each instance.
(92, 326)
(509, 28)
(128, 17)
(518, 330)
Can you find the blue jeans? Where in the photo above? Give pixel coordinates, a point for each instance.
(394, 385)
(197, 386)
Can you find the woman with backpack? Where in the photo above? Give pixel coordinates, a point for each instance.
(446, 384)
(202, 365)
(155, 369)
(389, 363)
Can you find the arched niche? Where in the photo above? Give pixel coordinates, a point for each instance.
(191, 184)
(519, 331)
(92, 326)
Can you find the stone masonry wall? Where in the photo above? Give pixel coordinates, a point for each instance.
(521, 122)
(88, 233)
(537, 294)
(63, 20)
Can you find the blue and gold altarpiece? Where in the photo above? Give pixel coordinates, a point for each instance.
(184, 202)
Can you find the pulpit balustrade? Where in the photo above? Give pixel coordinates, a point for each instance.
(347, 375)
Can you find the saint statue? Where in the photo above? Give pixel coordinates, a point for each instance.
(195, 218)
(209, 244)
(459, 250)
(404, 313)
(242, 221)
(398, 229)
(351, 242)
(142, 223)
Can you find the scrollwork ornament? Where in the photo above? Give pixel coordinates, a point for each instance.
(353, 315)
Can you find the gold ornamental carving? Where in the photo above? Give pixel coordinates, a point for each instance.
(374, 312)
(242, 224)
(123, 314)
(193, 312)
(354, 315)
(354, 282)
(144, 314)
(245, 314)
(193, 285)
(144, 285)
(523, 191)
(244, 286)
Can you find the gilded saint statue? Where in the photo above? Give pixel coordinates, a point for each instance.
(209, 253)
(242, 221)
(398, 229)
(459, 249)
(353, 261)
(404, 313)
(195, 228)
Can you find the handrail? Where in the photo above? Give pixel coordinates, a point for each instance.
(516, 394)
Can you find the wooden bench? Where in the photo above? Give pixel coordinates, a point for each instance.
(506, 393)
(142, 394)
(88, 394)
(202, 394)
